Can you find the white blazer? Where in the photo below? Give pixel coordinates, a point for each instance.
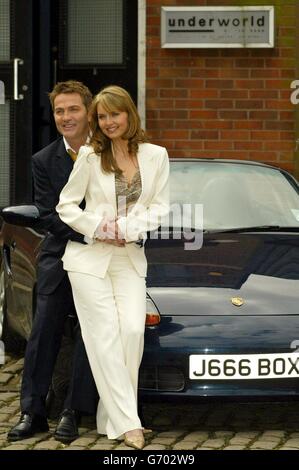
(87, 180)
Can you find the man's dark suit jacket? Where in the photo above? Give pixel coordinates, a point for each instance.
(51, 168)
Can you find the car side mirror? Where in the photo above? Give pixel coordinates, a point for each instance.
(25, 216)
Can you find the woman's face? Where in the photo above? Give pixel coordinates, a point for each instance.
(114, 124)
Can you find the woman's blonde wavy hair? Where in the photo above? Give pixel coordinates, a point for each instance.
(115, 99)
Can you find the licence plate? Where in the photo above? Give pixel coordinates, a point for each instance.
(245, 366)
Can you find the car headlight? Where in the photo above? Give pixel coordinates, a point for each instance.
(152, 314)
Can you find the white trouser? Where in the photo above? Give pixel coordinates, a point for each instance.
(111, 313)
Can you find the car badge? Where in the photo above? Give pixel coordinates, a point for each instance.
(237, 301)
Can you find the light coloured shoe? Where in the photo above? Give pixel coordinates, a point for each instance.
(137, 442)
(147, 431)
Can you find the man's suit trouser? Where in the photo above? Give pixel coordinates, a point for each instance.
(42, 350)
(111, 313)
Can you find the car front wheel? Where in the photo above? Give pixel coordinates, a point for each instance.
(12, 342)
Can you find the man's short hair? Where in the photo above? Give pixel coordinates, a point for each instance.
(71, 86)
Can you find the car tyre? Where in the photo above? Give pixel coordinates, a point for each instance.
(12, 342)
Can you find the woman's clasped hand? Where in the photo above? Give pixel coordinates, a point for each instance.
(109, 232)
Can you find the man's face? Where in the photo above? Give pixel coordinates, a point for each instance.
(71, 117)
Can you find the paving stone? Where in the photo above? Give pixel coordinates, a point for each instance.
(30, 441)
(164, 440)
(271, 439)
(155, 447)
(15, 447)
(185, 445)
(123, 447)
(13, 368)
(292, 443)
(263, 437)
(4, 417)
(262, 444)
(4, 428)
(197, 436)
(8, 409)
(235, 447)
(242, 441)
(8, 396)
(274, 433)
(205, 448)
(5, 378)
(15, 402)
(84, 441)
(47, 445)
(102, 447)
(74, 448)
(215, 443)
(20, 360)
(13, 419)
(287, 448)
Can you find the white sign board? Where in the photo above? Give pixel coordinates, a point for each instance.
(194, 27)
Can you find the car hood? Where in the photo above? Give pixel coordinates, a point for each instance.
(261, 269)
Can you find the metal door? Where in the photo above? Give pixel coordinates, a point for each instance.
(95, 41)
(15, 101)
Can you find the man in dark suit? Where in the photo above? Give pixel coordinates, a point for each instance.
(51, 168)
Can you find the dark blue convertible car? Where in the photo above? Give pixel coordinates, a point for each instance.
(223, 283)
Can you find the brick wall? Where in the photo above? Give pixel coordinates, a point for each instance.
(226, 103)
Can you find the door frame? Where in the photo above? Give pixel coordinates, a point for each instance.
(23, 108)
(141, 61)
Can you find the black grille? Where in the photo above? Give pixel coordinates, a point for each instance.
(168, 379)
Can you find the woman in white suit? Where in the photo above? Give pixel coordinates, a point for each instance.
(124, 181)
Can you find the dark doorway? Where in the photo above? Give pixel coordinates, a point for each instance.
(95, 41)
(45, 41)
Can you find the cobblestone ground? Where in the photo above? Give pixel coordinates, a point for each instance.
(220, 426)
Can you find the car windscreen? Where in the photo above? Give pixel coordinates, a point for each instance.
(231, 195)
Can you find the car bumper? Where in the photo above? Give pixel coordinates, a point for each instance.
(164, 370)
